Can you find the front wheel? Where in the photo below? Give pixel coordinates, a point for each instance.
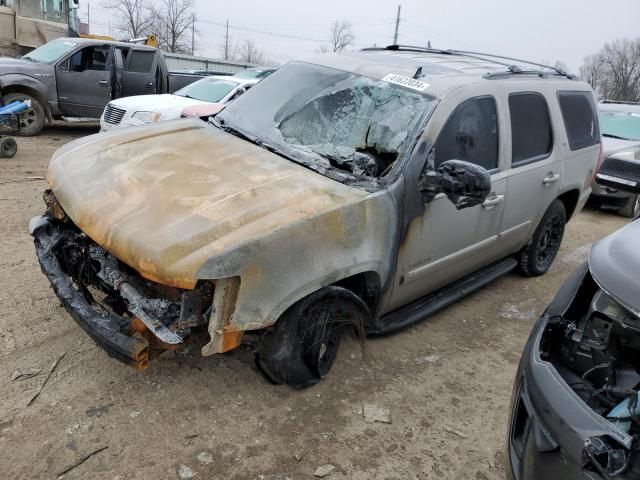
(31, 120)
(300, 349)
(538, 255)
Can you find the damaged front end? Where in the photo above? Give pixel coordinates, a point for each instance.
(126, 314)
(576, 409)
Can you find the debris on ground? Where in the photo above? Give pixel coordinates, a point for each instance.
(324, 470)
(205, 458)
(185, 473)
(53, 367)
(373, 413)
(454, 431)
(82, 460)
(297, 456)
(21, 375)
(433, 358)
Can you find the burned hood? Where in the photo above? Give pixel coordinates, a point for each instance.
(165, 198)
(614, 262)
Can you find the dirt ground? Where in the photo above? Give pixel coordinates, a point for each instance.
(446, 381)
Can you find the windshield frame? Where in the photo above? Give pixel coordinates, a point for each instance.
(206, 80)
(366, 182)
(50, 45)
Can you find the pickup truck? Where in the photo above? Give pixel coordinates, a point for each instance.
(77, 77)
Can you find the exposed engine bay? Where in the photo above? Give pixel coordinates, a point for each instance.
(125, 313)
(595, 346)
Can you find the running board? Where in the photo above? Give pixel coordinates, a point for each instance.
(430, 304)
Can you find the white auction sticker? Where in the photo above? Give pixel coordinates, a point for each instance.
(406, 82)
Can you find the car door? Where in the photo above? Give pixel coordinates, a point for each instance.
(534, 168)
(84, 81)
(445, 244)
(139, 75)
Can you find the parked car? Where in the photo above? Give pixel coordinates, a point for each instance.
(574, 410)
(142, 109)
(361, 190)
(260, 73)
(76, 77)
(620, 126)
(621, 174)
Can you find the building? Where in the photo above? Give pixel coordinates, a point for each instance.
(27, 24)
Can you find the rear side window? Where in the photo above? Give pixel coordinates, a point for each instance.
(531, 134)
(470, 134)
(580, 120)
(141, 61)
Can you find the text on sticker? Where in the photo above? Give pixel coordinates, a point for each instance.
(406, 82)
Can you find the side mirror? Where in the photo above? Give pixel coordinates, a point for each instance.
(465, 184)
(241, 91)
(620, 173)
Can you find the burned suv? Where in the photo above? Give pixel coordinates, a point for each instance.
(362, 190)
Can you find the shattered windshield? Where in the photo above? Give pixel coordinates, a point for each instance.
(327, 118)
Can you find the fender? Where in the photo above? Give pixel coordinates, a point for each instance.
(25, 83)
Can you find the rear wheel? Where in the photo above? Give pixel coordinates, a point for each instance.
(300, 349)
(31, 120)
(538, 255)
(8, 147)
(632, 207)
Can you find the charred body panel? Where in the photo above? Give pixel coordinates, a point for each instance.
(574, 407)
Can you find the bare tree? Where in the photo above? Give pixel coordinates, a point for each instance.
(248, 52)
(614, 72)
(341, 35)
(134, 17)
(173, 21)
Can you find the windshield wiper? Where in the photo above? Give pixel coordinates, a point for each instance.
(609, 135)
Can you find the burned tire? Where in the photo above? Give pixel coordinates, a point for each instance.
(8, 147)
(632, 207)
(33, 119)
(538, 255)
(300, 349)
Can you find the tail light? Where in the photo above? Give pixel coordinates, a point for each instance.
(588, 181)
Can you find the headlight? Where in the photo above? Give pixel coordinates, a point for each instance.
(147, 117)
(628, 154)
(606, 305)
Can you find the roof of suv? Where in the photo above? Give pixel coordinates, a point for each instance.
(442, 70)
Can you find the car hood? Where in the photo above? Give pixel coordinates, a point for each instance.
(17, 65)
(165, 198)
(155, 103)
(611, 146)
(614, 262)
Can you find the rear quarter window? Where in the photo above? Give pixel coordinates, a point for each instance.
(141, 61)
(580, 119)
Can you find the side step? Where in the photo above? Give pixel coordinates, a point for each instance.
(430, 304)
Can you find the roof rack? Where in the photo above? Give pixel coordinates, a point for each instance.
(512, 69)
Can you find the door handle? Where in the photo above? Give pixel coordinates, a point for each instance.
(103, 83)
(492, 201)
(550, 178)
(149, 84)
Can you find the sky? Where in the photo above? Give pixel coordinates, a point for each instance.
(536, 30)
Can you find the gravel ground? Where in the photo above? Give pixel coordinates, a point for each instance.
(446, 382)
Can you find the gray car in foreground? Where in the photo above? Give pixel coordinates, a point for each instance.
(575, 407)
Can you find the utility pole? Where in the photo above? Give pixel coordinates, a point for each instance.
(88, 17)
(193, 33)
(395, 35)
(226, 43)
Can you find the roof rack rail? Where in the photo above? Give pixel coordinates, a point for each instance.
(487, 57)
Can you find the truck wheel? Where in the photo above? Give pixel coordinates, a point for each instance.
(632, 208)
(8, 147)
(31, 120)
(302, 346)
(538, 255)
